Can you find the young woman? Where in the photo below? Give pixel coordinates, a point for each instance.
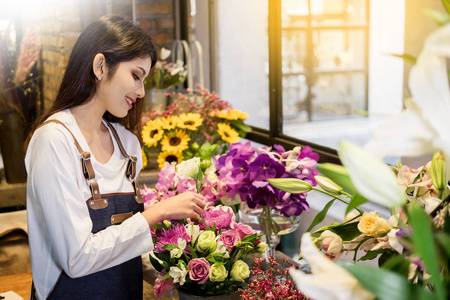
(87, 225)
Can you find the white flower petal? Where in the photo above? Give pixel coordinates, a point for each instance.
(370, 175)
(328, 281)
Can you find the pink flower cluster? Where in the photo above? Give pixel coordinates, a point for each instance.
(170, 184)
(273, 284)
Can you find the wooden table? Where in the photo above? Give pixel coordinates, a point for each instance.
(19, 284)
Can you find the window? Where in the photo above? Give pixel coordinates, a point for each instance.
(307, 71)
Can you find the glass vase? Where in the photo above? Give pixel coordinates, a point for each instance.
(270, 222)
(155, 99)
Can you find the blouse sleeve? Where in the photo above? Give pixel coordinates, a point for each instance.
(53, 183)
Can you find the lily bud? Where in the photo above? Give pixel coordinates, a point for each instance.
(195, 146)
(290, 185)
(439, 171)
(204, 164)
(167, 223)
(328, 185)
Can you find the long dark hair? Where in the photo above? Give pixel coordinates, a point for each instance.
(119, 41)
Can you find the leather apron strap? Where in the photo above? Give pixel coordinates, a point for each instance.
(130, 172)
(86, 164)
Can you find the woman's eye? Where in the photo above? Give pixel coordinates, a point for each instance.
(136, 77)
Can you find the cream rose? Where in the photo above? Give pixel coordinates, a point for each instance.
(206, 240)
(373, 225)
(218, 273)
(240, 271)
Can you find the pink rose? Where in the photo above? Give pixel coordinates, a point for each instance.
(230, 238)
(162, 287)
(242, 229)
(199, 270)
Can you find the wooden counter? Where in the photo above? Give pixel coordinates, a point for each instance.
(18, 283)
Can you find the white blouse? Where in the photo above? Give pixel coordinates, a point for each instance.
(59, 225)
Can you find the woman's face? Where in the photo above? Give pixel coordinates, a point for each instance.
(119, 92)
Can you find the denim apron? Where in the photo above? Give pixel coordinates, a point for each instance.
(123, 281)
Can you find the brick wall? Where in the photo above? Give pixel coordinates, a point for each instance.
(61, 25)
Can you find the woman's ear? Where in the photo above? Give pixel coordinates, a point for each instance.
(99, 66)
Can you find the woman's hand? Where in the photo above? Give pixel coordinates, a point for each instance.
(185, 205)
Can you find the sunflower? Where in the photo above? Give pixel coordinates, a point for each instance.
(227, 133)
(152, 132)
(170, 157)
(144, 159)
(175, 142)
(190, 121)
(170, 122)
(232, 114)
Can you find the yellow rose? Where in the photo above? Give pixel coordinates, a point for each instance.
(218, 273)
(373, 225)
(240, 271)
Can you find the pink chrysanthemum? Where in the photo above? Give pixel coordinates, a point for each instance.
(170, 236)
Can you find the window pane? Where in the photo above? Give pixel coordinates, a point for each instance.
(339, 50)
(324, 65)
(242, 57)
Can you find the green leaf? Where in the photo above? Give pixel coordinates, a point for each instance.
(169, 246)
(338, 174)
(372, 254)
(446, 4)
(290, 185)
(406, 57)
(444, 240)
(393, 261)
(386, 285)
(321, 215)
(357, 200)
(241, 126)
(158, 267)
(167, 275)
(347, 231)
(424, 244)
(439, 17)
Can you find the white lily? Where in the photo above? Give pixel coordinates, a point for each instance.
(328, 281)
(423, 127)
(370, 175)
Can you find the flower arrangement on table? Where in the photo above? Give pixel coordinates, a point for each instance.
(272, 282)
(245, 170)
(166, 74)
(196, 124)
(204, 256)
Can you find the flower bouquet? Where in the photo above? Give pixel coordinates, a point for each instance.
(197, 124)
(166, 74)
(204, 256)
(245, 170)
